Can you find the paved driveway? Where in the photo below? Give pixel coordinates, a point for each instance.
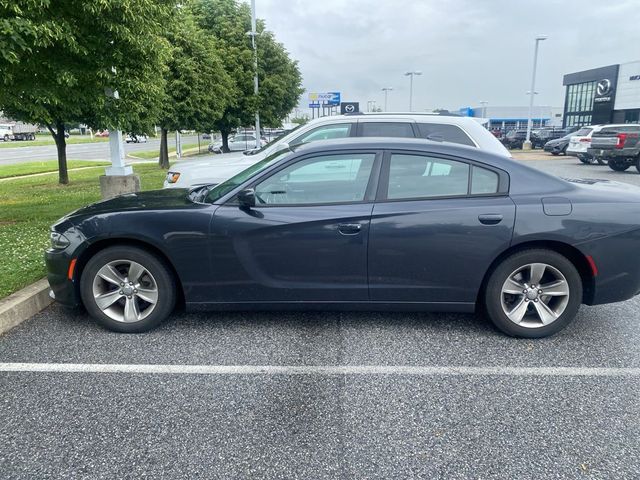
(323, 395)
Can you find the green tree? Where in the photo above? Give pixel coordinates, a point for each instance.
(279, 77)
(197, 85)
(60, 60)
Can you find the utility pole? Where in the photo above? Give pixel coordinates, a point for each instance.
(411, 75)
(386, 91)
(527, 143)
(253, 34)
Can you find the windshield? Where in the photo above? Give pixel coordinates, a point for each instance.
(269, 146)
(220, 190)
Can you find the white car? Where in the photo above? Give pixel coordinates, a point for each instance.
(580, 141)
(133, 138)
(454, 129)
(238, 143)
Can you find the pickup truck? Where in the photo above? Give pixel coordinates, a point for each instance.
(617, 144)
(17, 131)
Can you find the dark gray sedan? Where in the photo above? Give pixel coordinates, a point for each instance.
(363, 224)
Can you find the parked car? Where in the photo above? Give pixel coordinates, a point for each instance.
(360, 223)
(558, 146)
(133, 138)
(206, 136)
(102, 133)
(580, 142)
(515, 138)
(619, 145)
(238, 143)
(461, 130)
(541, 136)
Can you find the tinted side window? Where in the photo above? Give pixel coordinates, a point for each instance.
(444, 133)
(326, 132)
(386, 129)
(322, 179)
(484, 181)
(416, 176)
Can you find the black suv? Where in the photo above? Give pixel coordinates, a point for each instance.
(619, 145)
(514, 138)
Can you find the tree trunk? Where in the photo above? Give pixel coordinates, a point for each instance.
(61, 146)
(163, 161)
(225, 141)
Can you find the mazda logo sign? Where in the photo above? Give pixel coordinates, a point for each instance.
(603, 87)
(349, 108)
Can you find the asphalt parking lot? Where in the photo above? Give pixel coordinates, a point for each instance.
(324, 395)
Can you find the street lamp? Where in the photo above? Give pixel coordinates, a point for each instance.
(527, 143)
(411, 75)
(253, 34)
(386, 91)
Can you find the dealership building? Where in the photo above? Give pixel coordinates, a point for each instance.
(603, 95)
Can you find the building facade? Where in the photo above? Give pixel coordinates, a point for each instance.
(510, 118)
(603, 95)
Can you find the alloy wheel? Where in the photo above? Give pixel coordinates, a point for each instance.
(535, 295)
(125, 291)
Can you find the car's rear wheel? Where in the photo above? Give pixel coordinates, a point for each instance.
(127, 289)
(533, 293)
(638, 163)
(555, 153)
(618, 166)
(586, 159)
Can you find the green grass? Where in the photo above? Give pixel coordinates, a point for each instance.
(46, 139)
(29, 168)
(28, 206)
(149, 154)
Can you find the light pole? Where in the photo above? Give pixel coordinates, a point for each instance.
(527, 143)
(411, 75)
(253, 34)
(386, 91)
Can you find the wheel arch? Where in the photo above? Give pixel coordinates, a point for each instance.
(99, 245)
(575, 256)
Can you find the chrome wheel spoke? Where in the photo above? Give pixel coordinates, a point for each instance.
(513, 287)
(131, 310)
(517, 314)
(111, 275)
(545, 313)
(135, 272)
(536, 273)
(559, 288)
(105, 300)
(148, 295)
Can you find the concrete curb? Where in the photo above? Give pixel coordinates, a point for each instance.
(24, 304)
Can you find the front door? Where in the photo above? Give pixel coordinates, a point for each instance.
(436, 229)
(306, 238)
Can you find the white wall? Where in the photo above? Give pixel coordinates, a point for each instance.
(628, 91)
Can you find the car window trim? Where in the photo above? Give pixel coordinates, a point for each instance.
(369, 196)
(353, 127)
(383, 183)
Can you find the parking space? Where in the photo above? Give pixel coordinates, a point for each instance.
(324, 394)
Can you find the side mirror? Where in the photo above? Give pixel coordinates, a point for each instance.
(247, 198)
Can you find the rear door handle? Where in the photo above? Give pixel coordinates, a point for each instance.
(490, 219)
(349, 228)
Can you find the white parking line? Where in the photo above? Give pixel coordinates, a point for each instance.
(318, 370)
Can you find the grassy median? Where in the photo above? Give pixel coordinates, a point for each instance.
(30, 168)
(28, 206)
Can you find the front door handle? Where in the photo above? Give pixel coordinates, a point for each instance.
(349, 228)
(490, 219)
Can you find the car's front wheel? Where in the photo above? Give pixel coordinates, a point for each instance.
(127, 289)
(533, 293)
(618, 166)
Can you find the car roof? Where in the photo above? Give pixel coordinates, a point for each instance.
(409, 116)
(415, 144)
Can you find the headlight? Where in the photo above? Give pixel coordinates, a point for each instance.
(172, 177)
(58, 241)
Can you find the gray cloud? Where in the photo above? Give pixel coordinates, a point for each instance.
(468, 50)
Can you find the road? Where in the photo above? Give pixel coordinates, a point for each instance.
(80, 151)
(324, 395)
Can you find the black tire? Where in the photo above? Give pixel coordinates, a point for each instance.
(160, 272)
(638, 163)
(6, 138)
(555, 154)
(601, 161)
(493, 303)
(618, 166)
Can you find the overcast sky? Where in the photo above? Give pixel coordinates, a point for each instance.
(468, 50)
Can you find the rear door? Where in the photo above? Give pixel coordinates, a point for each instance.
(437, 225)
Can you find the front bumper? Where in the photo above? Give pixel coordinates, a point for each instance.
(65, 290)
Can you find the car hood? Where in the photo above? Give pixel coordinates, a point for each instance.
(221, 159)
(175, 198)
